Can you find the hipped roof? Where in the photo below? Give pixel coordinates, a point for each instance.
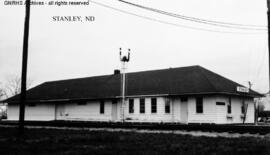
(192, 80)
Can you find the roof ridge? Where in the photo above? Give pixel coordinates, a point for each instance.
(164, 69)
(108, 75)
(96, 76)
(202, 71)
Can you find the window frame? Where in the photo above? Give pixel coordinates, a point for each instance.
(101, 107)
(199, 105)
(229, 107)
(142, 105)
(167, 106)
(131, 108)
(154, 104)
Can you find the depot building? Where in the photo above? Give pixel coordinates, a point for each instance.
(182, 95)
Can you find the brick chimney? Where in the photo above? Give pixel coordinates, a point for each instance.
(116, 71)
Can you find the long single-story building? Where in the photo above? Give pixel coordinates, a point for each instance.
(185, 95)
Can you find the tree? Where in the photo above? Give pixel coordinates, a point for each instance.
(13, 85)
(3, 93)
(3, 96)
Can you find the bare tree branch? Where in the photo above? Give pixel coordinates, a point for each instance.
(3, 93)
(13, 85)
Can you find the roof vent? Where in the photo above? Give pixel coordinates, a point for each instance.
(116, 71)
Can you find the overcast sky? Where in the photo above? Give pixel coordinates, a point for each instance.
(64, 50)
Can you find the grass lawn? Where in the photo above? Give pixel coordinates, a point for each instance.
(51, 141)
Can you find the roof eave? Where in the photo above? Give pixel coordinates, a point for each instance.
(136, 96)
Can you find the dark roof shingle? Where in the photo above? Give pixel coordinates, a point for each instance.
(173, 81)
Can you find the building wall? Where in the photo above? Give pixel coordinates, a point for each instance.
(13, 112)
(209, 111)
(43, 112)
(89, 112)
(159, 116)
(69, 111)
(236, 110)
(217, 114)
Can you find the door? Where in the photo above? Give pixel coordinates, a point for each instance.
(59, 111)
(184, 112)
(114, 111)
(221, 112)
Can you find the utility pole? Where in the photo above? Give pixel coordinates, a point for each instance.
(268, 17)
(124, 60)
(24, 67)
(249, 84)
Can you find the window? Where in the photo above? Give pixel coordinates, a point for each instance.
(220, 103)
(101, 108)
(153, 105)
(131, 106)
(81, 102)
(167, 106)
(229, 107)
(142, 105)
(199, 105)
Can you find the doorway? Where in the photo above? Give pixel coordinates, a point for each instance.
(114, 110)
(184, 112)
(59, 111)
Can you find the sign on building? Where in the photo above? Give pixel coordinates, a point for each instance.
(242, 89)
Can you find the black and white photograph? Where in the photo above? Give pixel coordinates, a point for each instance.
(135, 77)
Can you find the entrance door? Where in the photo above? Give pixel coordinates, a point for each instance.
(184, 112)
(114, 111)
(60, 111)
(221, 112)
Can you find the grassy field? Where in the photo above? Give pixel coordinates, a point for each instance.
(51, 141)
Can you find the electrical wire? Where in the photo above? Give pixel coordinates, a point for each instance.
(174, 24)
(262, 62)
(199, 20)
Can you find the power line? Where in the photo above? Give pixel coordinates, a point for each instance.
(173, 24)
(262, 62)
(199, 20)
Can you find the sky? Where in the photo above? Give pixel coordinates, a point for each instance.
(65, 50)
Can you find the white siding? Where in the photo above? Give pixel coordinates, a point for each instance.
(236, 111)
(217, 114)
(69, 111)
(13, 112)
(221, 110)
(209, 111)
(160, 116)
(43, 112)
(90, 111)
